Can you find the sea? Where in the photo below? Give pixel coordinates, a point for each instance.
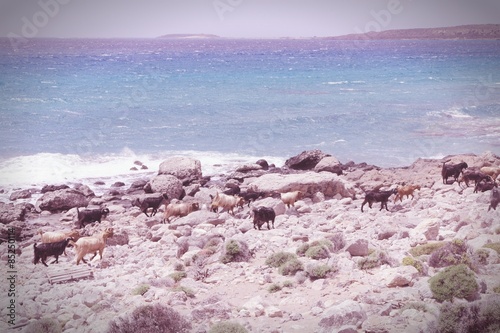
(73, 109)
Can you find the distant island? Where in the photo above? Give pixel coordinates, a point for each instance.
(186, 36)
(474, 31)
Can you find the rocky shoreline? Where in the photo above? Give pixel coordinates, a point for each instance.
(364, 277)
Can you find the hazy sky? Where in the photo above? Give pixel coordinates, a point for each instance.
(234, 18)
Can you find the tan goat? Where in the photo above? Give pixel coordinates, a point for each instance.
(91, 244)
(406, 190)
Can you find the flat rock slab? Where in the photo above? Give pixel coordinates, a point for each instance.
(72, 274)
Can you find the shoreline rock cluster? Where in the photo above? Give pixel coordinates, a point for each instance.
(346, 271)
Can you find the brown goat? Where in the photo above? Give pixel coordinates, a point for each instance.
(406, 190)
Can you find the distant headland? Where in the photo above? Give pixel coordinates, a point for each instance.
(474, 31)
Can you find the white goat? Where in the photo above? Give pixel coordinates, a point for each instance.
(91, 244)
(289, 198)
(227, 202)
(493, 172)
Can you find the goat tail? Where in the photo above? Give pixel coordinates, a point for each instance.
(40, 232)
(73, 243)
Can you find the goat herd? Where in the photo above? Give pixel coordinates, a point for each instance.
(55, 243)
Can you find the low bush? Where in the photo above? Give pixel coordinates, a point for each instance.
(187, 291)
(426, 249)
(155, 318)
(374, 259)
(480, 316)
(452, 253)
(320, 271)
(178, 275)
(140, 289)
(319, 249)
(275, 287)
(410, 261)
(454, 281)
(291, 267)
(494, 246)
(279, 258)
(235, 251)
(227, 327)
(44, 325)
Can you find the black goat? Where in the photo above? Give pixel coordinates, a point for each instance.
(90, 215)
(263, 215)
(45, 250)
(233, 190)
(378, 196)
(251, 196)
(153, 202)
(452, 170)
(494, 199)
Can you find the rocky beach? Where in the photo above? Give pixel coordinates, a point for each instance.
(345, 270)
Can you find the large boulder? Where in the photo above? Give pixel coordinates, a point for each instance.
(348, 312)
(309, 183)
(60, 200)
(330, 164)
(186, 169)
(10, 212)
(168, 184)
(306, 160)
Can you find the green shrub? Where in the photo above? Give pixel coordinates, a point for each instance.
(178, 275)
(454, 281)
(319, 271)
(151, 319)
(426, 249)
(287, 284)
(187, 291)
(375, 259)
(279, 258)
(317, 252)
(452, 253)
(319, 249)
(291, 267)
(496, 289)
(227, 327)
(480, 316)
(494, 246)
(275, 287)
(410, 261)
(44, 325)
(482, 256)
(301, 250)
(141, 289)
(178, 266)
(235, 251)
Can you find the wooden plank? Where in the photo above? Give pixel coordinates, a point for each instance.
(67, 275)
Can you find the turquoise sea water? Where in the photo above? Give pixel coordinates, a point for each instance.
(381, 102)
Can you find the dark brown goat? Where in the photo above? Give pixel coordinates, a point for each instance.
(90, 215)
(476, 176)
(378, 196)
(452, 170)
(263, 215)
(153, 202)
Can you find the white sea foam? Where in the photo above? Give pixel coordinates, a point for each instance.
(47, 168)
